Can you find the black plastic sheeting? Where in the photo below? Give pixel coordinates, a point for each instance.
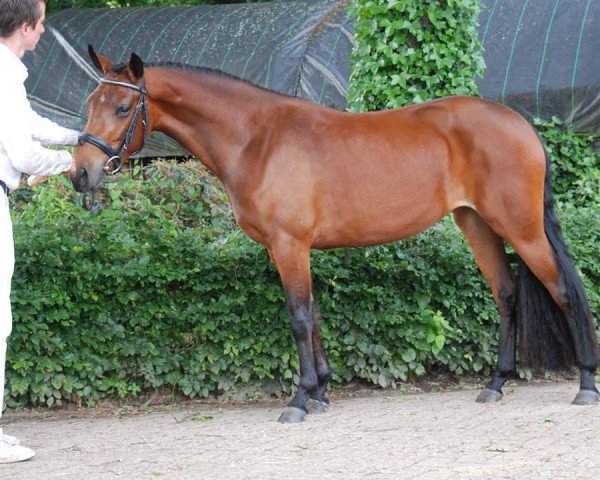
(299, 48)
(542, 58)
(540, 54)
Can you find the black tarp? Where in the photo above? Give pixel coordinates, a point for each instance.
(539, 54)
(300, 48)
(541, 58)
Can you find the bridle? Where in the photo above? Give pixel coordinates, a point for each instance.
(115, 155)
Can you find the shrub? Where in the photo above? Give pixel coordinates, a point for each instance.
(575, 162)
(158, 289)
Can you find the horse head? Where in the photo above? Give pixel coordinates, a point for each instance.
(117, 123)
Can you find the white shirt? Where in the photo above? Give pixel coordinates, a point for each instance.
(23, 132)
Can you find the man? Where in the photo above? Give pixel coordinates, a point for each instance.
(22, 133)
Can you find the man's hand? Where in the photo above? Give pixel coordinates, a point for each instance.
(71, 169)
(34, 180)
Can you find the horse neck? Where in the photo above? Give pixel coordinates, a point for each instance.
(213, 117)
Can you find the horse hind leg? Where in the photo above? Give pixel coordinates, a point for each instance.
(490, 256)
(555, 321)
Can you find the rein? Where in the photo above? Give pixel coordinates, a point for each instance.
(115, 155)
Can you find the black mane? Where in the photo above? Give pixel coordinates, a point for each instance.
(198, 69)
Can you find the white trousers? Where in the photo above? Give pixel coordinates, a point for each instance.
(7, 263)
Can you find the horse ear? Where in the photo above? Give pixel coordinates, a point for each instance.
(136, 66)
(101, 63)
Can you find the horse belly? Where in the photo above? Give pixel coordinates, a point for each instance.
(383, 213)
(386, 186)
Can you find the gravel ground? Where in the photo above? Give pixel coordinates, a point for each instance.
(533, 433)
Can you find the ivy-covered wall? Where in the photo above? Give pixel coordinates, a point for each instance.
(409, 51)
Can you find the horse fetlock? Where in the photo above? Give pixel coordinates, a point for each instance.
(498, 381)
(308, 383)
(324, 375)
(587, 379)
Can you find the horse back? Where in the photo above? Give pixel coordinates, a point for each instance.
(343, 179)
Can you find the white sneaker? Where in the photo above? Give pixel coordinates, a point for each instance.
(9, 438)
(11, 451)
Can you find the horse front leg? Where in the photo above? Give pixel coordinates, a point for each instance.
(302, 325)
(292, 259)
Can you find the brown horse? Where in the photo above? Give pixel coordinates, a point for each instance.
(301, 176)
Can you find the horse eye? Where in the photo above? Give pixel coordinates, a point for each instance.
(123, 110)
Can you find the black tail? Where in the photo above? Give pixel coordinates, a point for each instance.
(546, 340)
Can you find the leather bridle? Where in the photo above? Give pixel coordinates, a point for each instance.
(115, 155)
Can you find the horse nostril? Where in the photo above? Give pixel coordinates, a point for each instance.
(80, 180)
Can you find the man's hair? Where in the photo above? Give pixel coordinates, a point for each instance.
(14, 13)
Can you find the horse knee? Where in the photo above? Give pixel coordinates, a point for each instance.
(302, 326)
(301, 318)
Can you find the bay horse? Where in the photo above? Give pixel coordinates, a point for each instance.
(301, 176)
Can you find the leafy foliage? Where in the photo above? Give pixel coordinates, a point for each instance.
(581, 228)
(575, 162)
(160, 289)
(408, 51)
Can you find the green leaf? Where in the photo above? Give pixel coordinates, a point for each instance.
(409, 355)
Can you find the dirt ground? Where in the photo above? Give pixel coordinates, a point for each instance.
(533, 433)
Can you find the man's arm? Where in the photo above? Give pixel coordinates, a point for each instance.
(27, 155)
(30, 157)
(47, 132)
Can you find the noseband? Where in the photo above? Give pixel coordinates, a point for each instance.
(115, 155)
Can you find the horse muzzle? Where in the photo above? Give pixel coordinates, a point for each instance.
(83, 180)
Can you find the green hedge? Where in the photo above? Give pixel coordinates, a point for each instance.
(158, 289)
(575, 162)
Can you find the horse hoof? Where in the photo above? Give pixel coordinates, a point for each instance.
(586, 397)
(488, 396)
(317, 406)
(292, 415)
